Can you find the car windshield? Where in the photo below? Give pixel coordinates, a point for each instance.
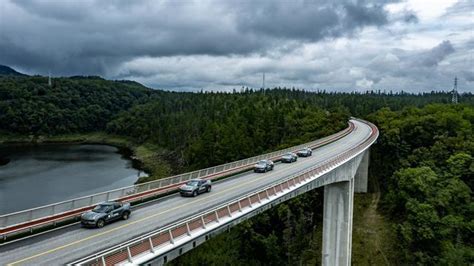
(102, 208)
(192, 183)
(262, 162)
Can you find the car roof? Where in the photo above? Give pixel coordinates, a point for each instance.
(108, 203)
(196, 179)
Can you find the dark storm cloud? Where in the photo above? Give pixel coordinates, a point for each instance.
(58, 10)
(94, 37)
(308, 20)
(410, 17)
(403, 63)
(436, 54)
(468, 75)
(211, 44)
(420, 70)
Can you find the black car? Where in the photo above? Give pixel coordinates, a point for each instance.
(306, 152)
(194, 187)
(289, 157)
(105, 212)
(263, 166)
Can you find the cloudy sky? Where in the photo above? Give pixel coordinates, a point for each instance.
(221, 45)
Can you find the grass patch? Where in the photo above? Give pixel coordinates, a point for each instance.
(153, 161)
(373, 236)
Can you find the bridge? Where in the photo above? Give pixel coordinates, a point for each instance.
(165, 227)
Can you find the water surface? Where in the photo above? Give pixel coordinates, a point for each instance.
(32, 176)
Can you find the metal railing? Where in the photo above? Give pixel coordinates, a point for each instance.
(159, 239)
(27, 219)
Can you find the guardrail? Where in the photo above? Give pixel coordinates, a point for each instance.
(27, 220)
(197, 224)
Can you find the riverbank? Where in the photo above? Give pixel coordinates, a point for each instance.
(147, 157)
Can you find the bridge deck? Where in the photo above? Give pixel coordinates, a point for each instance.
(70, 243)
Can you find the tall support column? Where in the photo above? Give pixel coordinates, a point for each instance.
(337, 223)
(361, 177)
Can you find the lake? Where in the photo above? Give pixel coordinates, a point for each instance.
(36, 175)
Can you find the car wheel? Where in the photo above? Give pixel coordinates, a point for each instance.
(100, 223)
(195, 193)
(209, 189)
(125, 215)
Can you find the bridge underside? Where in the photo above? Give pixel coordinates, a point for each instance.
(339, 187)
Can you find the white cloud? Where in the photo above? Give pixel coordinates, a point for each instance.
(364, 83)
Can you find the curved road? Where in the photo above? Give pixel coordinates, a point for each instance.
(74, 242)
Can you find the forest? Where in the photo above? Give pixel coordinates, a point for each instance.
(429, 181)
(422, 162)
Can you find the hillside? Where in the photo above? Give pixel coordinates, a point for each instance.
(8, 71)
(29, 106)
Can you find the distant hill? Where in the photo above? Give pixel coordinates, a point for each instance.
(86, 77)
(8, 71)
(70, 105)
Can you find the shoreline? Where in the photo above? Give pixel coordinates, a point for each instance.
(138, 154)
(100, 138)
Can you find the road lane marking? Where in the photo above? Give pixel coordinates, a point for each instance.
(137, 221)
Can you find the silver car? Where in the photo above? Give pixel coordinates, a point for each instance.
(106, 212)
(306, 152)
(195, 187)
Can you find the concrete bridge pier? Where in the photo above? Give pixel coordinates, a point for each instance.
(337, 223)
(338, 210)
(361, 176)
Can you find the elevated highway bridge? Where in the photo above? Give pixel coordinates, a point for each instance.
(165, 228)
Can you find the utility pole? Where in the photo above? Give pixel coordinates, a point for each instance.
(263, 81)
(454, 99)
(49, 78)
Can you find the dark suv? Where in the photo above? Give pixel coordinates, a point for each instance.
(105, 212)
(306, 152)
(289, 157)
(194, 187)
(263, 166)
